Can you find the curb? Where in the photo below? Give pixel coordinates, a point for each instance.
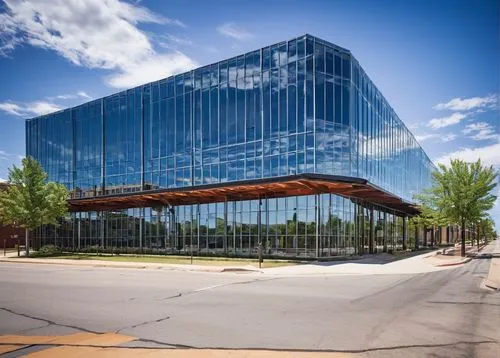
(239, 269)
(73, 264)
(492, 284)
(464, 261)
(212, 269)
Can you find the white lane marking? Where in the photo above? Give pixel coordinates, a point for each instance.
(211, 287)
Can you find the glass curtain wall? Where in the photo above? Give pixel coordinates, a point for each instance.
(306, 226)
(298, 106)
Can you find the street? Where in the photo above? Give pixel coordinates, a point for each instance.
(440, 314)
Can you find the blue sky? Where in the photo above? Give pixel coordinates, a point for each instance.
(437, 62)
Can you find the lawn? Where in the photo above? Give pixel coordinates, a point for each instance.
(205, 261)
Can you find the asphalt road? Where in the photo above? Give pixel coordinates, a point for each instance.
(438, 314)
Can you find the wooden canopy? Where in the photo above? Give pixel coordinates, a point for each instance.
(360, 190)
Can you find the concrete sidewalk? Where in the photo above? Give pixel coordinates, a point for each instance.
(451, 256)
(493, 279)
(132, 265)
(445, 260)
(365, 266)
(380, 264)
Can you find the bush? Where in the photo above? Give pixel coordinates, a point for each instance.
(46, 251)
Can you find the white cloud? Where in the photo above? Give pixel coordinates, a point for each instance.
(480, 131)
(467, 104)
(424, 137)
(84, 95)
(65, 96)
(8, 38)
(29, 109)
(38, 108)
(4, 156)
(442, 122)
(211, 49)
(94, 34)
(11, 108)
(490, 155)
(170, 41)
(230, 29)
(154, 68)
(444, 138)
(79, 94)
(2, 180)
(448, 137)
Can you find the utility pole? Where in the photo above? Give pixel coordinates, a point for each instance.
(259, 235)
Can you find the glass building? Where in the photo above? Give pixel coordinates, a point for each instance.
(291, 146)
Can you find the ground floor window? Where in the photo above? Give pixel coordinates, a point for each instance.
(304, 226)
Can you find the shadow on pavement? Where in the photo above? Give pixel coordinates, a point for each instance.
(373, 259)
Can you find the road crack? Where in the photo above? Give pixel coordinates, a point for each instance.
(145, 323)
(49, 322)
(464, 303)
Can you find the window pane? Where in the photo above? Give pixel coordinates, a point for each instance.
(346, 68)
(337, 65)
(329, 61)
(319, 56)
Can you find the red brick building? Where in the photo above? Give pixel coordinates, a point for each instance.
(10, 234)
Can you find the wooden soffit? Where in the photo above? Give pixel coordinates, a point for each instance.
(360, 190)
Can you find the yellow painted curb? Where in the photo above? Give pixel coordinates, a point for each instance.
(77, 352)
(106, 339)
(6, 348)
(81, 338)
(84, 344)
(12, 339)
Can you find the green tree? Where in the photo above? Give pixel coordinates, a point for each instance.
(462, 193)
(430, 216)
(30, 201)
(486, 229)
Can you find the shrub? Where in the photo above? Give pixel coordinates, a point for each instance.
(47, 250)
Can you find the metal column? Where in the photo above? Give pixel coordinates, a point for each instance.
(385, 232)
(404, 233)
(102, 228)
(259, 235)
(259, 223)
(362, 232)
(329, 223)
(79, 229)
(372, 233)
(416, 235)
(225, 226)
(318, 223)
(234, 226)
(198, 230)
(141, 218)
(191, 233)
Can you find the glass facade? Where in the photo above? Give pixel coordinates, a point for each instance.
(299, 106)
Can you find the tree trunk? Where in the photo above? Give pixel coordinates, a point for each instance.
(416, 236)
(462, 248)
(27, 233)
